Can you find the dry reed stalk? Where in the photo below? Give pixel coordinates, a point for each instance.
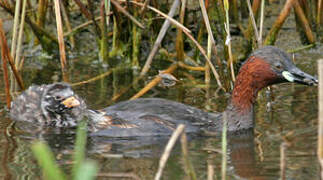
(68, 25)
(319, 12)
(94, 78)
(61, 39)
(15, 28)
(208, 26)
(154, 82)
(272, 35)
(304, 22)
(249, 31)
(187, 32)
(207, 76)
(192, 68)
(179, 46)
(119, 175)
(5, 70)
(210, 171)
(172, 20)
(228, 39)
(123, 11)
(9, 58)
(252, 17)
(143, 8)
(107, 7)
(20, 36)
(188, 164)
(283, 161)
(41, 12)
(162, 162)
(320, 124)
(160, 37)
(262, 11)
(216, 75)
(48, 41)
(14, 39)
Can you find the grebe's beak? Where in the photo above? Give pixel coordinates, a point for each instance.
(298, 76)
(71, 102)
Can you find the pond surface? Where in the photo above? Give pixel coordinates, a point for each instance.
(285, 118)
(291, 119)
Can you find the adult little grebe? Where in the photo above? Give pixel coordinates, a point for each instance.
(57, 105)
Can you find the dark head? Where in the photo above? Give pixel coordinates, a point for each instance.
(54, 105)
(265, 66)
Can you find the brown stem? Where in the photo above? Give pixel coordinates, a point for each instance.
(272, 35)
(68, 24)
(48, 41)
(88, 15)
(104, 40)
(159, 39)
(303, 20)
(154, 82)
(4, 67)
(60, 35)
(319, 12)
(41, 12)
(179, 37)
(7, 55)
(123, 11)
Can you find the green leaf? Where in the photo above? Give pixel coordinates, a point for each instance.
(47, 161)
(86, 171)
(79, 149)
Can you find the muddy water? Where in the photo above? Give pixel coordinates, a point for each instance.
(286, 118)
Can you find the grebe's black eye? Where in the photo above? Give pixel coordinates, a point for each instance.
(58, 98)
(278, 66)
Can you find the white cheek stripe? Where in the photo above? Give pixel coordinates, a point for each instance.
(288, 76)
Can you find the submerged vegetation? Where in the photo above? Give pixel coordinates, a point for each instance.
(193, 38)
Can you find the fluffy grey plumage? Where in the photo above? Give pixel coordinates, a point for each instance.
(43, 105)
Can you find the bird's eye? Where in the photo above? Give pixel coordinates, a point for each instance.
(58, 97)
(278, 66)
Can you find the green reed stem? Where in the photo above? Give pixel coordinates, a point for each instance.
(79, 149)
(47, 162)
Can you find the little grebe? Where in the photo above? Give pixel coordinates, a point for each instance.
(56, 104)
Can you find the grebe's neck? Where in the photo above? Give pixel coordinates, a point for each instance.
(254, 75)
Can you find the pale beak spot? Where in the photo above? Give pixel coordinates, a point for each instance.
(71, 102)
(288, 76)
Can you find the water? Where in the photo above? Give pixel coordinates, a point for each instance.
(291, 118)
(285, 116)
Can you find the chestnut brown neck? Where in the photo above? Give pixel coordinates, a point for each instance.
(254, 75)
